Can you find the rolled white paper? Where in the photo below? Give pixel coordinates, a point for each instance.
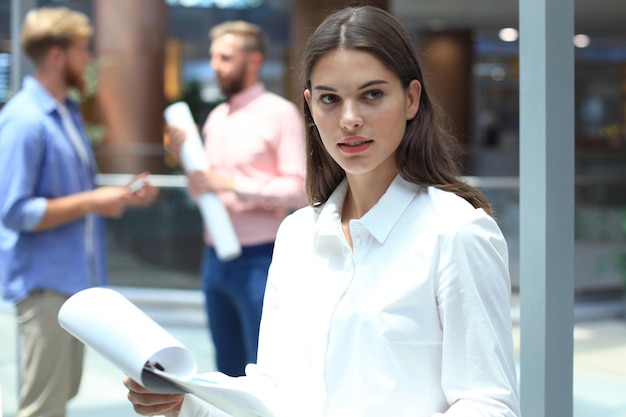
(192, 151)
(218, 223)
(117, 329)
(215, 216)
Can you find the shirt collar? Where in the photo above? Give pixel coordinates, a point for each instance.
(329, 221)
(43, 97)
(246, 96)
(378, 221)
(46, 101)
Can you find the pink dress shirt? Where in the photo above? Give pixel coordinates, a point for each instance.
(257, 138)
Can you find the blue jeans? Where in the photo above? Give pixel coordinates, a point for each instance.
(234, 293)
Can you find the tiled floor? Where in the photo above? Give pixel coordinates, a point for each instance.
(599, 357)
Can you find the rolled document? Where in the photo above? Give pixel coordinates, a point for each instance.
(216, 218)
(108, 322)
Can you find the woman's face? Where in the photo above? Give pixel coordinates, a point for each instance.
(360, 109)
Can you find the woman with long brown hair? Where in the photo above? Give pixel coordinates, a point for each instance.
(389, 294)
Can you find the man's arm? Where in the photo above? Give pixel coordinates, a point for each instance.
(106, 201)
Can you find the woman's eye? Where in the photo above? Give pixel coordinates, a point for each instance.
(328, 99)
(373, 94)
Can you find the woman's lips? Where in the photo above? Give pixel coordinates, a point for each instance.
(355, 145)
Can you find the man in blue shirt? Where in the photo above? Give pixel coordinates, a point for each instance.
(51, 225)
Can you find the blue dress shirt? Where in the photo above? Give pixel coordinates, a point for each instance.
(38, 162)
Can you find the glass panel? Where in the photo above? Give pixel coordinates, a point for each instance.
(5, 76)
(159, 246)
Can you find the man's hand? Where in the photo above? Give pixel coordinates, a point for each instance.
(147, 403)
(108, 201)
(208, 181)
(145, 192)
(176, 139)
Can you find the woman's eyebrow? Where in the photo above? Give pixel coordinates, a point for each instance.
(371, 83)
(361, 87)
(323, 87)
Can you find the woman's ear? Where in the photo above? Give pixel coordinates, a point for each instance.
(307, 98)
(414, 92)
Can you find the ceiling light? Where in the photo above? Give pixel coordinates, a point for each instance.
(508, 34)
(581, 41)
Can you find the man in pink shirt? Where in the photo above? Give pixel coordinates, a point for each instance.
(255, 149)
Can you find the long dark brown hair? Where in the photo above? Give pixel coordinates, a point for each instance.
(427, 153)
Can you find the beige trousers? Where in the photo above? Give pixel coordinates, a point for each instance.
(51, 360)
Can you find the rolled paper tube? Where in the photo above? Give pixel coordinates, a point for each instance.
(192, 151)
(214, 214)
(217, 222)
(113, 326)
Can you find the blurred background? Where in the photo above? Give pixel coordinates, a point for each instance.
(150, 53)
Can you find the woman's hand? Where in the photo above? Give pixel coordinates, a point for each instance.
(148, 403)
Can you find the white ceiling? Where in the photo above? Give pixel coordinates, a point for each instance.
(602, 18)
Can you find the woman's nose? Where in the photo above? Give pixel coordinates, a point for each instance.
(350, 116)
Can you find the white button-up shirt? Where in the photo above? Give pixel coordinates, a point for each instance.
(413, 321)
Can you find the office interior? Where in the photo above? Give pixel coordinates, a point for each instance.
(150, 53)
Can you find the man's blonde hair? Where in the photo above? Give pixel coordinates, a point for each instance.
(46, 27)
(253, 36)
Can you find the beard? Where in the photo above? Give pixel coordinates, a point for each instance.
(75, 79)
(234, 85)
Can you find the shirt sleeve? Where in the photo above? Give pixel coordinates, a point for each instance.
(286, 189)
(254, 382)
(22, 150)
(473, 296)
(195, 407)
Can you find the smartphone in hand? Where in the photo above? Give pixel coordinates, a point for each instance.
(136, 185)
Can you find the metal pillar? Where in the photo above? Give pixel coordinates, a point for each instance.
(20, 65)
(546, 207)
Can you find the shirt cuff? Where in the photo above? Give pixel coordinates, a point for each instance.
(33, 213)
(195, 407)
(245, 186)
